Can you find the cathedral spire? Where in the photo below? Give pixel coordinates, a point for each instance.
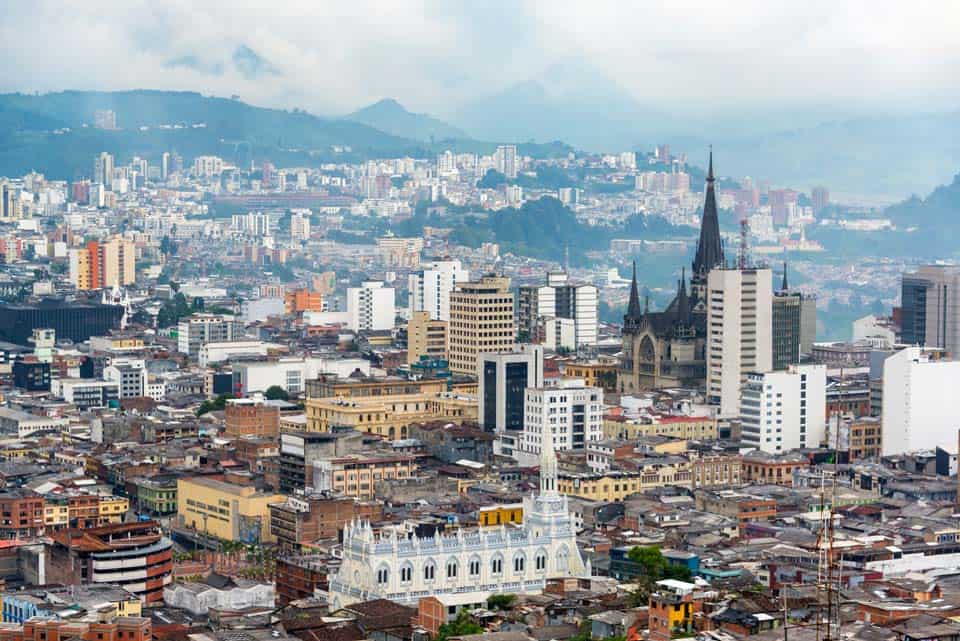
(633, 308)
(784, 287)
(548, 462)
(709, 248)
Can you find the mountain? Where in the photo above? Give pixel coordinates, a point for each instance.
(391, 117)
(152, 122)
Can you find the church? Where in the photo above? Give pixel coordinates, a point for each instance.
(470, 564)
(668, 349)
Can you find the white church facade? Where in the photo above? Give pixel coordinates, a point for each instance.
(514, 559)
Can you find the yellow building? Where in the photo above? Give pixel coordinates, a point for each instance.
(359, 476)
(481, 320)
(131, 607)
(225, 510)
(426, 337)
(112, 509)
(388, 416)
(329, 387)
(618, 485)
(19, 449)
(685, 427)
(56, 513)
(491, 515)
(594, 374)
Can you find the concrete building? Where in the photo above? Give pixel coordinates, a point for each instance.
(292, 372)
(196, 330)
(560, 298)
(431, 286)
(503, 379)
(930, 308)
(251, 417)
(399, 252)
(785, 410)
(199, 598)
(917, 413)
(370, 307)
(226, 511)
(739, 322)
(571, 412)
(481, 320)
(505, 160)
(102, 264)
(426, 337)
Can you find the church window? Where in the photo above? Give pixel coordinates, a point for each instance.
(406, 573)
(496, 565)
(383, 576)
(518, 563)
(452, 569)
(429, 571)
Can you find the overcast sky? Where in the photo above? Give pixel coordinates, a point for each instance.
(333, 57)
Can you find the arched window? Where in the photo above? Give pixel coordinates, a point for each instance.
(563, 555)
(496, 565)
(429, 570)
(540, 561)
(406, 573)
(452, 568)
(383, 575)
(474, 566)
(519, 561)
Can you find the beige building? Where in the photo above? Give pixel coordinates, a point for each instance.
(359, 476)
(388, 416)
(110, 263)
(684, 427)
(481, 320)
(225, 510)
(425, 337)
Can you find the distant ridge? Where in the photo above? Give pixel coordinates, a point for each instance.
(391, 117)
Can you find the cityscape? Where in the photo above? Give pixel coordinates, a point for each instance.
(535, 372)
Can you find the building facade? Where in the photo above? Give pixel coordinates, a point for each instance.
(503, 378)
(430, 288)
(560, 298)
(426, 338)
(481, 320)
(782, 411)
(569, 412)
(370, 307)
(915, 413)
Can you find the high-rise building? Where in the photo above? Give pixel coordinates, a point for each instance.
(10, 209)
(110, 263)
(571, 412)
(505, 160)
(300, 226)
(560, 298)
(781, 411)
(370, 307)
(426, 338)
(103, 170)
(739, 325)
(165, 165)
(794, 322)
(431, 286)
(206, 166)
(930, 309)
(503, 381)
(195, 331)
(481, 320)
(821, 198)
(917, 414)
(399, 252)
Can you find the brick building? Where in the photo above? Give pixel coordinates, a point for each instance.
(251, 417)
(304, 519)
(21, 514)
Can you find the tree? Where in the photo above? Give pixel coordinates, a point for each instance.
(653, 567)
(463, 624)
(491, 180)
(276, 393)
(501, 601)
(215, 405)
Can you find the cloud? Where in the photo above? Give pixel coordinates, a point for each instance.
(432, 55)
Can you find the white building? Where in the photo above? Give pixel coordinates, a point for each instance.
(207, 166)
(560, 298)
(879, 332)
(739, 326)
(402, 567)
(430, 287)
(219, 352)
(300, 226)
(198, 598)
(196, 330)
(505, 160)
(781, 411)
(129, 375)
(370, 307)
(260, 309)
(291, 373)
(572, 412)
(917, 410)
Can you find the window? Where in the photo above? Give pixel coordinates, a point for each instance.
(496, 565)
(452, 569)
(518, 563)
(383, 576)
(541, 561)
(474, 567)
(429, 571)
(406, 573)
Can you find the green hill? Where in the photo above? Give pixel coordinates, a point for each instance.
(390, 116)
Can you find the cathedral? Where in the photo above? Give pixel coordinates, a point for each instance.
(668, 348)
(468, 564)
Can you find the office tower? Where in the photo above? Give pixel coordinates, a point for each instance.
(430, 287)
(110, 263)
(105, 119)
(9, 205)
(503, 379)
(196, 330)
(103, 170)
(667, 349)
(505, 159)
(739, 303)
(821, 198)
(570, 411)
(781, 411)
(370, 307)
(559, 298)
(426, 338)
(930, 309)
(808, 323)
(481, 320)
(785, 330)
(917, 413)
(207, 166)
(165, 165)
(780, 201)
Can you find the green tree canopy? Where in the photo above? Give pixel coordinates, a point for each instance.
(276, 393)
(463, 624)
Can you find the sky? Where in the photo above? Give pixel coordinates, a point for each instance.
(333, 57)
